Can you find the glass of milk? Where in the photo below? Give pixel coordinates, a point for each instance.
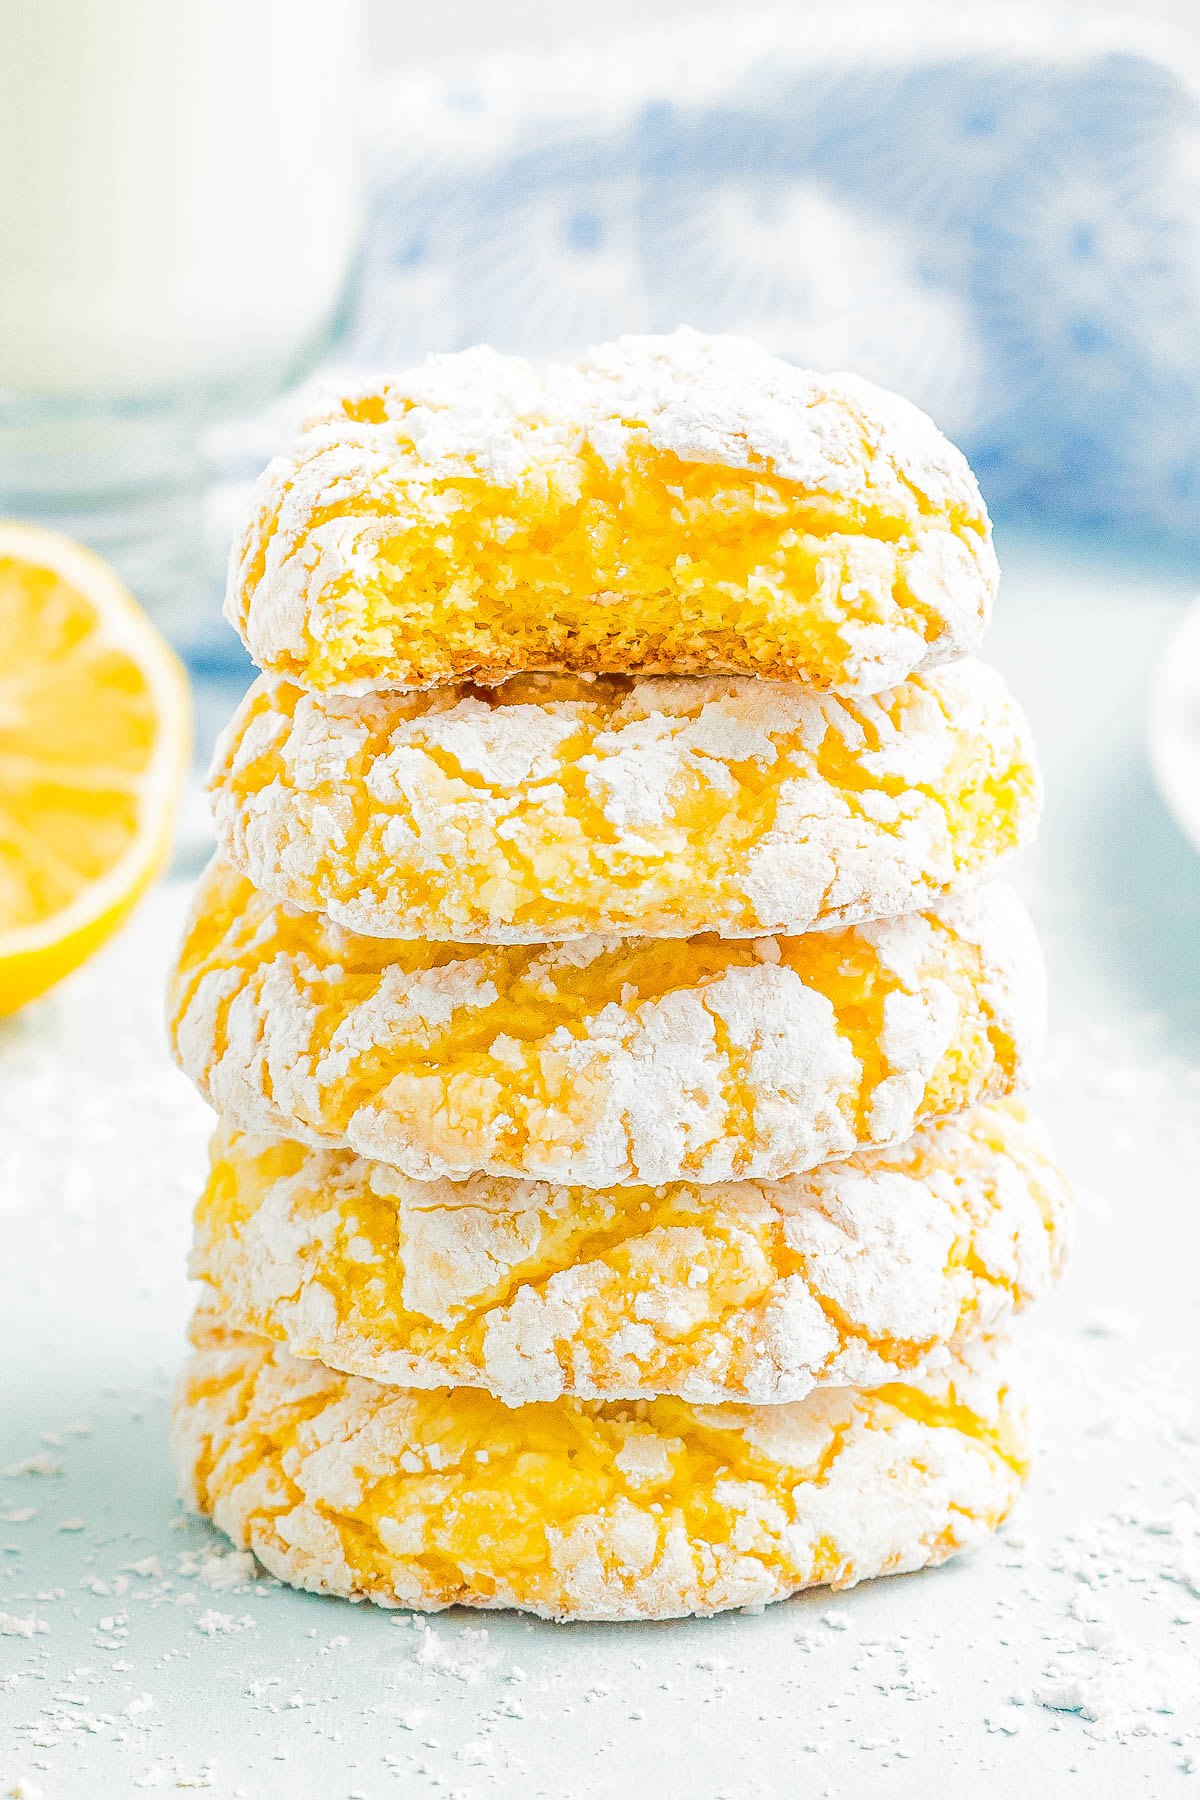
(178, 210)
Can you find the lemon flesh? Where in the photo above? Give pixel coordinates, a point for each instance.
(94, 740)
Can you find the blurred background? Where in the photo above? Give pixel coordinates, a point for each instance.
(209, 207)
(995, 211)
(397, 35)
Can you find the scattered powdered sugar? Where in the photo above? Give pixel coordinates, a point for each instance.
(128, 1660)
(13, 1626)
(234, 1569)
(1119, 1685)
(467, 1655)
(40, 1464)
(214, 1624)
(88, 1093)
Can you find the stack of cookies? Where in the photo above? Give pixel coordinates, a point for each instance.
(621, 1192)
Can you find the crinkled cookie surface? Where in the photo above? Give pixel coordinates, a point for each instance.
(579, 1509)
(603, 1061)
(852, 1275)
(679, 503)
(553, 807)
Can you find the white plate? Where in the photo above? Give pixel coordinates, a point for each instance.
(1173, 725)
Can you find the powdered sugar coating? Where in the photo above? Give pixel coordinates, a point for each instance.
(602, 1061)
(683, 502)
(554, 807)
(573, 1509)
(856, 1274)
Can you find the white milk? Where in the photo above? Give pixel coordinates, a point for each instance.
(177, 206)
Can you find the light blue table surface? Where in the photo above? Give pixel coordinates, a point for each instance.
(904, 1688)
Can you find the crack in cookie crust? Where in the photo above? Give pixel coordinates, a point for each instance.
(603, 1061)
(679, 503)
(554, 807)
(576, 1509)
(855, 1274)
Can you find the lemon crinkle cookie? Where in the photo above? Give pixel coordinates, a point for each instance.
(679, 503)
(553, 807)
(603, 1061)
(589, 1510)
(854, 1274)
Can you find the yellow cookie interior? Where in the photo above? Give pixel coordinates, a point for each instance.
(527, 1288)
(655, 565)
(579, 1508)
(482, 1052)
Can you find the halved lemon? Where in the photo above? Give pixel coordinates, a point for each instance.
(95, 729)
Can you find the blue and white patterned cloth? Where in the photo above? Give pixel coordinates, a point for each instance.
(1001, 220)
